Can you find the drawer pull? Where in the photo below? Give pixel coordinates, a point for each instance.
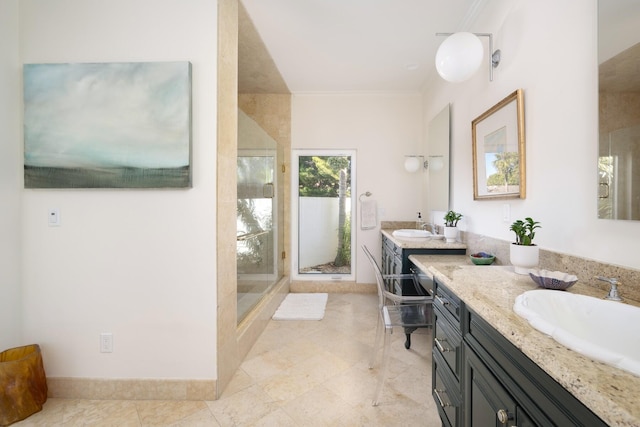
(503, 416)
(440, 401)
(440, 346)
(442, 301)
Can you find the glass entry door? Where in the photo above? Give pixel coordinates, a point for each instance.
(323, 199)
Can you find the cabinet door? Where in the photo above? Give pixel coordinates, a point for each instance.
(523, 419)
(386, 256)
(397, 269)
(487, 403)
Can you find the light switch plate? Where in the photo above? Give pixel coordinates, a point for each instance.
(54, 217)
(506, 212)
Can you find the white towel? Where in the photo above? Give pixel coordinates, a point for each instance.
(368, 214)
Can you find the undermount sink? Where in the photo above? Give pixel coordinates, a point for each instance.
(602, 330)
(410, 233)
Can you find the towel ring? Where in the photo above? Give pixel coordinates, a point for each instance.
(367, 194)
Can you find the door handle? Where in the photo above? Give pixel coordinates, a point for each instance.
(267, 191)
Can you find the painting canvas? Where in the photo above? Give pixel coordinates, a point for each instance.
(107, 125)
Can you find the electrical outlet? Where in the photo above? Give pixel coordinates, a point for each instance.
(106, 342)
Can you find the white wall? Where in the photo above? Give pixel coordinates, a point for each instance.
(556, 66)
(139, 264)
(10, 178)
(382, 128)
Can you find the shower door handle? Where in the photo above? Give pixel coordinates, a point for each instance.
(267, 191)
(603, 191)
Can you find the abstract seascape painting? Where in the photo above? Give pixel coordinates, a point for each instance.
(107, 125)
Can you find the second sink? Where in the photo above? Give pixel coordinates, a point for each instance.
(605, 331)
(412, 233)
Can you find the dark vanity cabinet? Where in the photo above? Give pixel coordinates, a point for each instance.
(395, 260)
(481, 379)
(490, 403)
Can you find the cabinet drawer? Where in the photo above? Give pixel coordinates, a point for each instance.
(446, 393)
(448, 343)
(390, 246)
(447, 301)
(424, 280)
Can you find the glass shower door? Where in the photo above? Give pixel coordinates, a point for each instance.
(618, 177)
(256, 244)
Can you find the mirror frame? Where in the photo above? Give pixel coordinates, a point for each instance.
(505, 121)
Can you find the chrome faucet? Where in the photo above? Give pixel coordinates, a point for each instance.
(427, 226)
(613, 294)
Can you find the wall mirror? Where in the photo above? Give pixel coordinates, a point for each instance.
(499, 150)
(437, 176)
(619, 109)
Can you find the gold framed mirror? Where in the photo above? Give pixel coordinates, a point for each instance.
(499, 150)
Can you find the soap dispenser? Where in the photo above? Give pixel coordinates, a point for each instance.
(419, 222)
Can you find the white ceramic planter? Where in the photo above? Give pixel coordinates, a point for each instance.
(524, 258)
(451, 234)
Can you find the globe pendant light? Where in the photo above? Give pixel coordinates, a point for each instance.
(459, 57)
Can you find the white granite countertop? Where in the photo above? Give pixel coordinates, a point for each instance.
(423, 243)
(490, 291)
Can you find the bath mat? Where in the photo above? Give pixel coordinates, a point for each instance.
(302, 307)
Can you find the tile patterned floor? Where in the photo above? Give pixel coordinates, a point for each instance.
(299, 373)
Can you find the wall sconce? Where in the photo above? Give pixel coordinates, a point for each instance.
(435, 163)
(460, 56)
(413, 163)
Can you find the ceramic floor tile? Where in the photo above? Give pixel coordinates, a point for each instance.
(285, 387)
(277, 418)
(243, 408)
(298, 373)
(201, 418)
(162, 412)
(100, 412)
(266, 365)
(52, 414)
(240, 381)
(319, 407)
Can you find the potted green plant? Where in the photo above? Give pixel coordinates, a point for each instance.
(451, 219)
(524, 254)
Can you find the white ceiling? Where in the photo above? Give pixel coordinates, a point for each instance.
(357, 45)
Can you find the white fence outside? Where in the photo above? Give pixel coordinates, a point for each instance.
(318, 230)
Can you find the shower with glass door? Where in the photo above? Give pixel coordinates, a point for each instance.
(258, 266)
